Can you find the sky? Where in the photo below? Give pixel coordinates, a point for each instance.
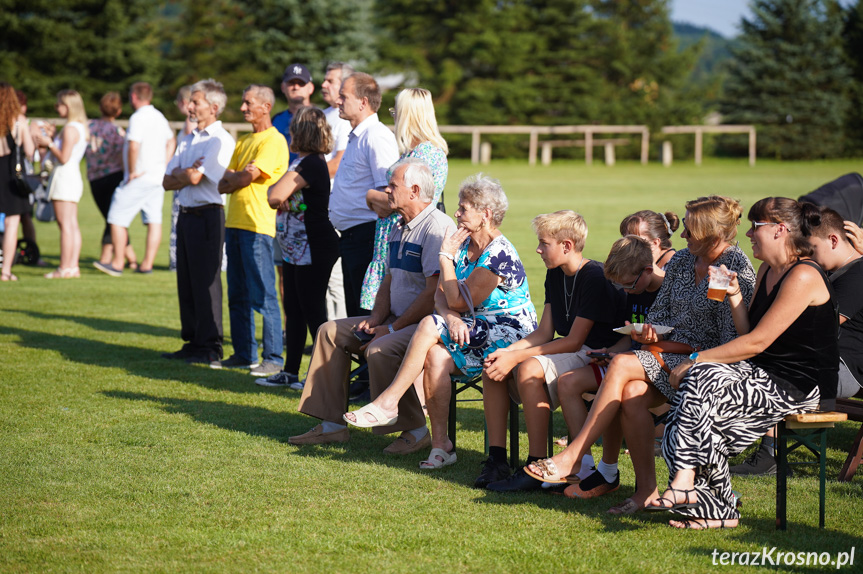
(722, 16)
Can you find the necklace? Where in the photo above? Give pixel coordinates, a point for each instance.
(568, 294)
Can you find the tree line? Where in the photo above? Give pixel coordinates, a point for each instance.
(796, 70)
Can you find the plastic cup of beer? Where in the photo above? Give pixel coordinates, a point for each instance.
(718, 285)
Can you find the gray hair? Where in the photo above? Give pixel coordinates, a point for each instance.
(214, 93)
(484, 192)
(264, 92)
(417, 173)
(344, 68)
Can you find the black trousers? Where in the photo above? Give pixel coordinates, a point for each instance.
(103, 190)
(356, 246)
(305, 303)
(200, 244)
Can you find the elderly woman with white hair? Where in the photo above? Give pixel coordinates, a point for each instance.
(482, 304)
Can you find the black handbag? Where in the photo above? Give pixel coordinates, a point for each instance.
(20, 183)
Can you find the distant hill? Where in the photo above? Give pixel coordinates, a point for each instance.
(715, 54)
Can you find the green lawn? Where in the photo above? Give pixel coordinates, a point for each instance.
(113, 459)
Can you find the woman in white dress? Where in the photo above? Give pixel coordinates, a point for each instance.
(66, 186)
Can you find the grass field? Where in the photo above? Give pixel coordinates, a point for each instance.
(113, 459)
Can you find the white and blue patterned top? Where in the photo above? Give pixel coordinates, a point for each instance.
(505, 316)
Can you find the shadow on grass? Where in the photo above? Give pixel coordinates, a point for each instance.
(256, 421)
(134, 360)
(100, 323)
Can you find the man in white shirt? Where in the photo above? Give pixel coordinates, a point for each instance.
(335, 74)
(149, 145)
(195, 170)
(370, 152)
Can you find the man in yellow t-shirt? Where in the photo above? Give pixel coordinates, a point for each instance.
(260, 159)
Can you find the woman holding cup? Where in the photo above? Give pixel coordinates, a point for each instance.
(638, 380)
(785, 361)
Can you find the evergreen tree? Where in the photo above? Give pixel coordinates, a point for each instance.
(853, 38)
(92, 46)
(788, 77)
(643, 72)
(239, 43)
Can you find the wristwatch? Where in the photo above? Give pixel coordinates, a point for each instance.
(390, 327)
(694, 357)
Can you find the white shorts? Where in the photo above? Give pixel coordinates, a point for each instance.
(553, 366)
(134, 197)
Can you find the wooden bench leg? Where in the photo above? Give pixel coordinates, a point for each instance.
(853, 459)
(822, 477)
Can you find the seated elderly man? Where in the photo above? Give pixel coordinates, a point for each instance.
(406, 295)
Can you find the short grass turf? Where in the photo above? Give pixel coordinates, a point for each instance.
(114, 459)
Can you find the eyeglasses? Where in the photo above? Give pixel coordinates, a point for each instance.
(634, 283)
(393, 112)
(757, 224)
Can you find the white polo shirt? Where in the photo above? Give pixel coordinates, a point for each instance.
(371, 150)
(149, 128)
(216, 146)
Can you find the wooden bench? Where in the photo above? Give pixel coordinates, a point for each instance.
(808, 430)
(854, 409)
(608, 143)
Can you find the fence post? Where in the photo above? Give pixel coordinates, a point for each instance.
(485, 153)
(666, 153)
(531, 153)
(699, 141)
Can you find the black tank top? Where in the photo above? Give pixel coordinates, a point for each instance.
(806, 355)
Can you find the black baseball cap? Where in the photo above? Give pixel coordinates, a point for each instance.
(297, 72)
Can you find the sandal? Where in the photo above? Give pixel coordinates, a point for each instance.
(438, 458)
(381, 418)
(549, 473)
(64, 273)
(628, 506)
(702, 524)
(671, 504)
(8, 277)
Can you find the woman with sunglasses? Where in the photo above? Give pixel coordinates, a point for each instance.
(638, 380)
(785, 362)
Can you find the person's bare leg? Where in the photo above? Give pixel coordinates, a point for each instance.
(107, 254)
(424, 338)
(438, 388)
(419, 387)
(119, 237)
(570, 388)
(495, 405)
(623, 368)
(537, 408)
(131, 256)
(154, 237)
(637, 422)
(70, 234)
(10, 242)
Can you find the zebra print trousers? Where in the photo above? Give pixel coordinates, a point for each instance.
(718, 411)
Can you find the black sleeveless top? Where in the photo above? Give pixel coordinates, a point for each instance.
(806, 355)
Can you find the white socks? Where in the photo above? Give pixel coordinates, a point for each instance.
(586, 467)
(420, 432)
(608, 471)
(332, 427)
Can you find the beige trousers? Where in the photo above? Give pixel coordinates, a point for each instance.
(325, 395)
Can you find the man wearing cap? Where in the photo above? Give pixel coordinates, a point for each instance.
(298, 88)
(370, 152)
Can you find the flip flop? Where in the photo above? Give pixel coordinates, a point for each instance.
(438, 458)
(702, 524)
(381, 419)
(548, 472)
(8, 277)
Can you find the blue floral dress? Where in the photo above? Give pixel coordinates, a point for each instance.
(506, 315)
(436, 160)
